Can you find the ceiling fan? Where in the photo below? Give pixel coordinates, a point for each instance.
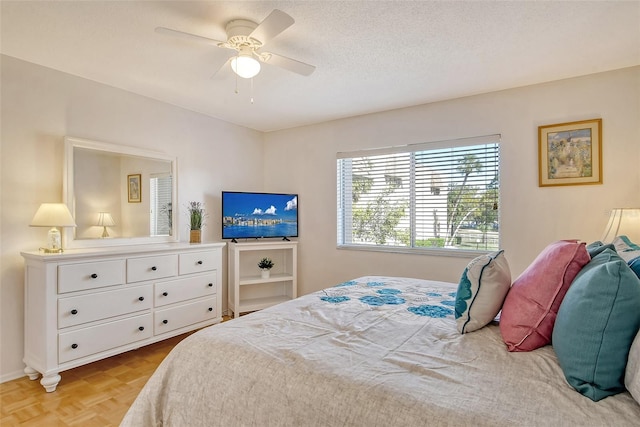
(247, 38)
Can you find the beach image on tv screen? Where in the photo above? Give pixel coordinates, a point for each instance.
(258, 215)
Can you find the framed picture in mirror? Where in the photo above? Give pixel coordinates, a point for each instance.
(134, 190)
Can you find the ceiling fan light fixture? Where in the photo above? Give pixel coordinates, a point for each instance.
(245, 66)
(247, 38)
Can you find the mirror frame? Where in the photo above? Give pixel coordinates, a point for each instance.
(68, 233)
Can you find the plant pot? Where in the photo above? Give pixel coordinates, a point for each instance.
(195, 236)
(265, 273)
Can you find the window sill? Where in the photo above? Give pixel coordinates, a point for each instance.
(454, 253)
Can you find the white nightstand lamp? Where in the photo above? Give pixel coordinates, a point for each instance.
(53, 215)
(623, 222)
(105, 220)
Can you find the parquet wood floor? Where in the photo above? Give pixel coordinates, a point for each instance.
(97, 394)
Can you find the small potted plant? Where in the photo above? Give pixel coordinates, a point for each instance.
(196, 221)
(265, 265)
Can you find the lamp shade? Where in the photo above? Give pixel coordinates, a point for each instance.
(53, 215)
(105, 220)
(623, 222)
(246, 66)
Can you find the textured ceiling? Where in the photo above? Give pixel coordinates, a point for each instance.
(370, 55)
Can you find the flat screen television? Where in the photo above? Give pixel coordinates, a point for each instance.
(259, 215)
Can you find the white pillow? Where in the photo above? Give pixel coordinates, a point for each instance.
(628, 251)
(626, 248)
(482, 289)
(632, 374)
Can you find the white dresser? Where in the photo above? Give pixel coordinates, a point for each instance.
(89, 304)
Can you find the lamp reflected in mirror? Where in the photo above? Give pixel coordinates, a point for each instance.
(53, 215)
(105, 220)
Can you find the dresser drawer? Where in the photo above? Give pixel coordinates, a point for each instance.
(85, 342)
(90, 275)
(150, 268)
(169, 319)
(184, 289)
(101, 305)
(195, 262)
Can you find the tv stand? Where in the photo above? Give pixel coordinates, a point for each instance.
(286, 239)
(249, 289)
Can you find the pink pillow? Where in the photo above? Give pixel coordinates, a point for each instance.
(530, 308)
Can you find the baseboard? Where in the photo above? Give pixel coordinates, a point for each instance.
(12, 376)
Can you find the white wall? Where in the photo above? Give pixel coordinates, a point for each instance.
(531, 217)
(40, 106)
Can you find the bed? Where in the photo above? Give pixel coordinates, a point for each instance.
(374, 351)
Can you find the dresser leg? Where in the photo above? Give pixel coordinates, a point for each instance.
(50, 382)
(31, 373)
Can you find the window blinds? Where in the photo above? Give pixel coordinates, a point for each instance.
(160, 202)
(443, 194)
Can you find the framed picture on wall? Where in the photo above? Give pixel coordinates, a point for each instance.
(134, 188)
(570, 153)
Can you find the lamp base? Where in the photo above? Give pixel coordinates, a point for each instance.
(54, 245)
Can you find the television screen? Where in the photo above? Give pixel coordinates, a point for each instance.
(259, 215)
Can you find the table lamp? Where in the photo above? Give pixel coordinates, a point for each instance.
(623, 222)
(105, 220)
(53, 215)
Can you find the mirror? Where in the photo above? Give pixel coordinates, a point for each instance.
(118, 195)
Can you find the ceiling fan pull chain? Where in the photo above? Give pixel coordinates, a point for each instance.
(252, 90)
(236, 83)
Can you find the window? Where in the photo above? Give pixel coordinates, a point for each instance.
(160, 202)
(433, 195)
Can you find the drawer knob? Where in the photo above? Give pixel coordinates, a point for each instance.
(74, 311)
(165, 321)
(210, 308)
(141, 328)
(165, 294)
(141, 299)
(199, 263)
(94, 276)
(74, 346)
(154, 268)
(211, 285)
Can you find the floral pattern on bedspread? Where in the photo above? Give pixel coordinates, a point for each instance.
(418, 300)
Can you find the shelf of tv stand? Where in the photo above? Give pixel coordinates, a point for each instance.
(254, 280)
(253, 304)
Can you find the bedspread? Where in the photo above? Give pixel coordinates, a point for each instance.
(374, 351)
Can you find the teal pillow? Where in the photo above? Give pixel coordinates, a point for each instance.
(634, 264)
(596, 324)
(483, 286)
(596, 247)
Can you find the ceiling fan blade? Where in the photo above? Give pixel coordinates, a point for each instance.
(187, 36)
(223, 66)
(288, 63)
(274, 24)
